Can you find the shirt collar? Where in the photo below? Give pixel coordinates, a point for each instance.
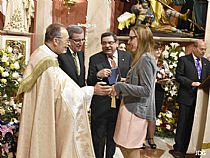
(49, 51)
(72, 52)
(115, 55)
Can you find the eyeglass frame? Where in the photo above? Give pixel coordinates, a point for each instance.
(77, 40)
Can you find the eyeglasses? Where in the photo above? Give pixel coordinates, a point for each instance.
(78, 40)
(202, 49)
(107, 42)
(132, 37)
(158, 49)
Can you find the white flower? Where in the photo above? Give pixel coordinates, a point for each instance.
(169, 114)
(167, 47)
(2, 111)
(5, 74)
(19, 79)
(159, 75)
(20, 55)
(4, 59)
(174, 65)
(175, 58)
(9, 49)
(15, 120)
(158, 122)
(162, 71)
(173, 93)
(174, 88)
(15, 66)
(12, 102)
(171, 74)
(165, 54)
(1, 69)
(171, 66)
(15, 75)
(181, 54)
(168, 127)
(174, 54)
(174, 45)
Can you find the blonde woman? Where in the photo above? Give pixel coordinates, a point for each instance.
(138, 92)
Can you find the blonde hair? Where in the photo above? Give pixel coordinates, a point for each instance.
(145, 42)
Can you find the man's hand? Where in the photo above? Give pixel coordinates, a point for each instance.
(102, 89)
(104, 73)
(196, 84)
(122, 79)
(113, 93)
(163, 81)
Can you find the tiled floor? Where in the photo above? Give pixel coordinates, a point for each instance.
(163, 146)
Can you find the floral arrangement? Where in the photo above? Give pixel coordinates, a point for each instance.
(167, 119)
(11, 68)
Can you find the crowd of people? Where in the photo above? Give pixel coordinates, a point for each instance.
(56, 96)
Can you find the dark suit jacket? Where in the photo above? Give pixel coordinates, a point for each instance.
(99, 61)
(186, 73)
(66, 63)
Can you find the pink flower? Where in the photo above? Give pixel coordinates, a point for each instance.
(5, 148)
(5, 129)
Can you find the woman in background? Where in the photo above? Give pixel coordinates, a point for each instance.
(163, 75)
(138, 92)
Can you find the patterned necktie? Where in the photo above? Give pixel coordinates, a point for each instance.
(113, 99)
(74, 55)
(198, 67)
(113, 63)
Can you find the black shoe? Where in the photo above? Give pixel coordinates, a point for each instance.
(152, 146)
(177, 154)
(143, 146)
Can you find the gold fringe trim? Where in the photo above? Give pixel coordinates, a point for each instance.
(43, 65)
(206, 145)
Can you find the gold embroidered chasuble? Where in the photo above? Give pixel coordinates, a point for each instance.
(54, 121)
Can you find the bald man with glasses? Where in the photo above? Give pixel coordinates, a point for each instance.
(72, 62)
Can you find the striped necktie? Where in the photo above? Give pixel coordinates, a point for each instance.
(74, 55)
(198, 67)
(113, 63)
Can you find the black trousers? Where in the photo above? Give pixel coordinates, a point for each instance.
(184, 127)
(159, 97)
(102, 130)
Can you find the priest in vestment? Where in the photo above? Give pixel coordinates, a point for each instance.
(54, 121)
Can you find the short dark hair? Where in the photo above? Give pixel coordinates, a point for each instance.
(74, 29)
(52, 31)
(158, 45)
(106, 34)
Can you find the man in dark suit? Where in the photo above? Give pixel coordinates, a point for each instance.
(72, 62)
(103, 116)
(191, 70)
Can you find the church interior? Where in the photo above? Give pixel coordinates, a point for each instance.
(23, 29)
